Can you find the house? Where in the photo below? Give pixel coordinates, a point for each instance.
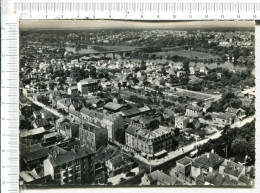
(183, 167)
(205, 163)
(119, 163)
(207, 106)
(36, 114)
(75, 106)
(46, 115)
(181, 122)
(194, 79)
(72, 167)
(63, 104)
(193, 111)
(32, 159)
(72, 90)
(68, 129)
(224, 118)
(106, 86)
(31, 177)
(51, 138)
(37, 123)
(99, 161)
(239, 113)
(92, 136)
(86, 86)
(95, 102)
(232, 169)
(203, 70)
(36, 133)
(75, 116)
(158, 178)
(180, 73)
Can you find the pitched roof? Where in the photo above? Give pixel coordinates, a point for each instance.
(36, 131)
(113, 106)
(65, 101)
(226, 116)
(70, 156)
(36, 155)
(195, 108)
(88, 81)
(233, 168)
(50, 135)
(234, 110)
(209, 160)
(41, 122)
(184, 161)
(132, 129)
(31, 148)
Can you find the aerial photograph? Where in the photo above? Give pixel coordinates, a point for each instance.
(116, 103)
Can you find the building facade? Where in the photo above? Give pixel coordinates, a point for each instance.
(92, 136)
(73, 167)
(152, 144)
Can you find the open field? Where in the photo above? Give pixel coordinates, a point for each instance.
(187, 53)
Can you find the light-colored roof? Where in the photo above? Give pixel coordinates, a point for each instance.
(33, 132)
(113, 106)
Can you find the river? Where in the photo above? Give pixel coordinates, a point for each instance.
(227, 65)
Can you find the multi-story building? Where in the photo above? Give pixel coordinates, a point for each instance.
(73, 167)
(64, 104)
(183, 167)
(212, 169)
(92, 136)
(193, 111)
(152, 144)
(86, 86)
(111, 122)
(205, 163)
(68, 129)
(181, 122)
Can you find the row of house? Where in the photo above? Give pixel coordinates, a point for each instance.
(212, 169)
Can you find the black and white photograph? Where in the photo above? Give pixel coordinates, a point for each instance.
(139, 104)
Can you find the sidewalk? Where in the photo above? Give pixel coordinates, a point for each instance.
(177, 153)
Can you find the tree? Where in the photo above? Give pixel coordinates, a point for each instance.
(154, 124)
(177, 131)
(240, 146)
(162, 82)
(25, 125)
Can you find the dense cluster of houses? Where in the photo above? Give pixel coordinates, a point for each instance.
(80, 127)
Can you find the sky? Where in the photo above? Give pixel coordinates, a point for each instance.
(106, 24)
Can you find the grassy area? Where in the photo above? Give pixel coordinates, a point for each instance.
(188, 53)
(191, 95)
